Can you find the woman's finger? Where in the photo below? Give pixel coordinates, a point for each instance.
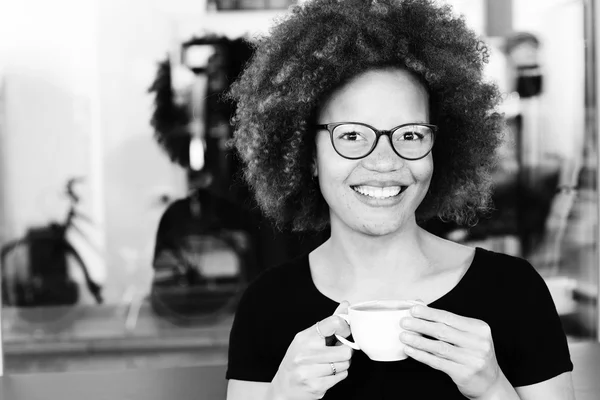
(327, 369)
(459, 322)
(327, 354)
(442, 332)
(438, 348)
(333, 325)
(449, 367)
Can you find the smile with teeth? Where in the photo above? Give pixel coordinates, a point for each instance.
(379, 192)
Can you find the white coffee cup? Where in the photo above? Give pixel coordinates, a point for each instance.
(375, 327)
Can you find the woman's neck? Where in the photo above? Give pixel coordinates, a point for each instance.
(359, 262)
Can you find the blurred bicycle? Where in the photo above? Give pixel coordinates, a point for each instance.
(35, 268)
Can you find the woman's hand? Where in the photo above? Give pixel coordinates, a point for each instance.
(309, 367)
(464, 349)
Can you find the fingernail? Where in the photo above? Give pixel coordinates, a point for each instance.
(405, 323)
(416, 310)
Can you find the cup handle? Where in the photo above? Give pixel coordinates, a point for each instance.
(345, 341)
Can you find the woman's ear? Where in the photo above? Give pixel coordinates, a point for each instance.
(315, 169)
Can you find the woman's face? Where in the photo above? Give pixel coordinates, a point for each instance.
(383, 99)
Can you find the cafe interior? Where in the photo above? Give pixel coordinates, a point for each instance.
(127, 233)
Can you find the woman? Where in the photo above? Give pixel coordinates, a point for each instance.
(337, 117)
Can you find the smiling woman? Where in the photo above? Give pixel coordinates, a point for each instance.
(379, 127)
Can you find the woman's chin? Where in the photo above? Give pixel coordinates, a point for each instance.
(378, 231)
(373, 224)
(380, 228)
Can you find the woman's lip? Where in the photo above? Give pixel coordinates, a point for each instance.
(378, 187)
(381, 202)
(379, 184)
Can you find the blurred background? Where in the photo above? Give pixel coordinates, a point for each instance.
(127, 234)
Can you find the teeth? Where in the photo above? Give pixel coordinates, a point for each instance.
(378, 192)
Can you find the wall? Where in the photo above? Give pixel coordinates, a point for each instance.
(46, 97)
(135, 170)
(474, 12)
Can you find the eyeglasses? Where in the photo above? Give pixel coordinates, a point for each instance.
(355, 140)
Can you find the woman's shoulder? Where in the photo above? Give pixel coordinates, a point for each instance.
(505, 269)
(282, 278)
(484, 270)
(501, 283)
(502, 262)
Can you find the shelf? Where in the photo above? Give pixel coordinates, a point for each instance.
(101, 329)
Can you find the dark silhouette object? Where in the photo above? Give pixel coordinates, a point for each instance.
(203, 258)
(39, 275)
(171, 120)
(523, 50)
(193, 227)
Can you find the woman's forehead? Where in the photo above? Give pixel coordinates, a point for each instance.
(374, 93)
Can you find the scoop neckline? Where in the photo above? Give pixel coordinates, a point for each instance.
(465, 277)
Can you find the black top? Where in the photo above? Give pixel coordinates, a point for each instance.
(506, 292)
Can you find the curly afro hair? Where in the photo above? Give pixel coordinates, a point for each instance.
(321, 45)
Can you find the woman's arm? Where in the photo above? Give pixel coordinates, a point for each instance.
(241, 390)
(557, 388)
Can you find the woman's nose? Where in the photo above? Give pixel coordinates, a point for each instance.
(383, 158)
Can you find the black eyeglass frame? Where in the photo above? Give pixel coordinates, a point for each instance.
(378, 133)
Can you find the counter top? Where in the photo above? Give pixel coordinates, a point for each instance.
(208, 383)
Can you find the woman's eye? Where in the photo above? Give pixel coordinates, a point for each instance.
(409, 136)
(351, 136)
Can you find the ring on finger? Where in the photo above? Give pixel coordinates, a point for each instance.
(333, 369)
(319, 331)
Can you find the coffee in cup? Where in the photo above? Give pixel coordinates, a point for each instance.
(375, 327)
